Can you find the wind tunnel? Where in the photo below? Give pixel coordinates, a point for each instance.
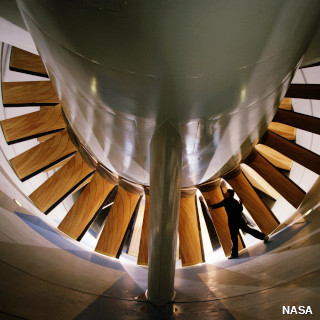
(145, 113)
(134, 65)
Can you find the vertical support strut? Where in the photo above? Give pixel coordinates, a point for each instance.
(165, 185)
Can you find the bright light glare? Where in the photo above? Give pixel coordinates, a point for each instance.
(94, 86)
(243, 94)
(18, 202)
(308, 212)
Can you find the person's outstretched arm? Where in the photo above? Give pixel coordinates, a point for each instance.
(217, 205)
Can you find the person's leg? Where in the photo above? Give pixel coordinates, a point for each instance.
(234, 231)
(257, 234)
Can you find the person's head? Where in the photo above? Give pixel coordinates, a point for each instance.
(229, 193)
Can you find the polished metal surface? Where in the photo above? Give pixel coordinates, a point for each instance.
(216, 69)
(312, 55)
(165, 179)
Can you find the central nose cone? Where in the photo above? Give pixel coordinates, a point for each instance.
(215, 69)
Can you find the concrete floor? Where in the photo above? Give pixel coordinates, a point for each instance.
(45, 275)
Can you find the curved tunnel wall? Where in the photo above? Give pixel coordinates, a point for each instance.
(27, 259)
(149, 63)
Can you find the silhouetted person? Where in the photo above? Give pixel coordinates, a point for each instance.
(236, 221)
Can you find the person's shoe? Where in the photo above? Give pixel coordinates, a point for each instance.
(233, 256)
(265, 239)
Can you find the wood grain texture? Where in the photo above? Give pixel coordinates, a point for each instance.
(144, 239)
(28, 93)
(298, 120)
(86, 206)
(32, 125)
(189, 235)
(286, 187)
(304, 91)
(26, 62)
(223, 186)
(117, 221)
(293, 151)
(46, 137)
(286, 104)
(81, 185)
(276, 158)
(43, 156)
(262, 216)
(258, 182)
(283, 130)
(61, 184)
(212, 194)
(58, 165)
